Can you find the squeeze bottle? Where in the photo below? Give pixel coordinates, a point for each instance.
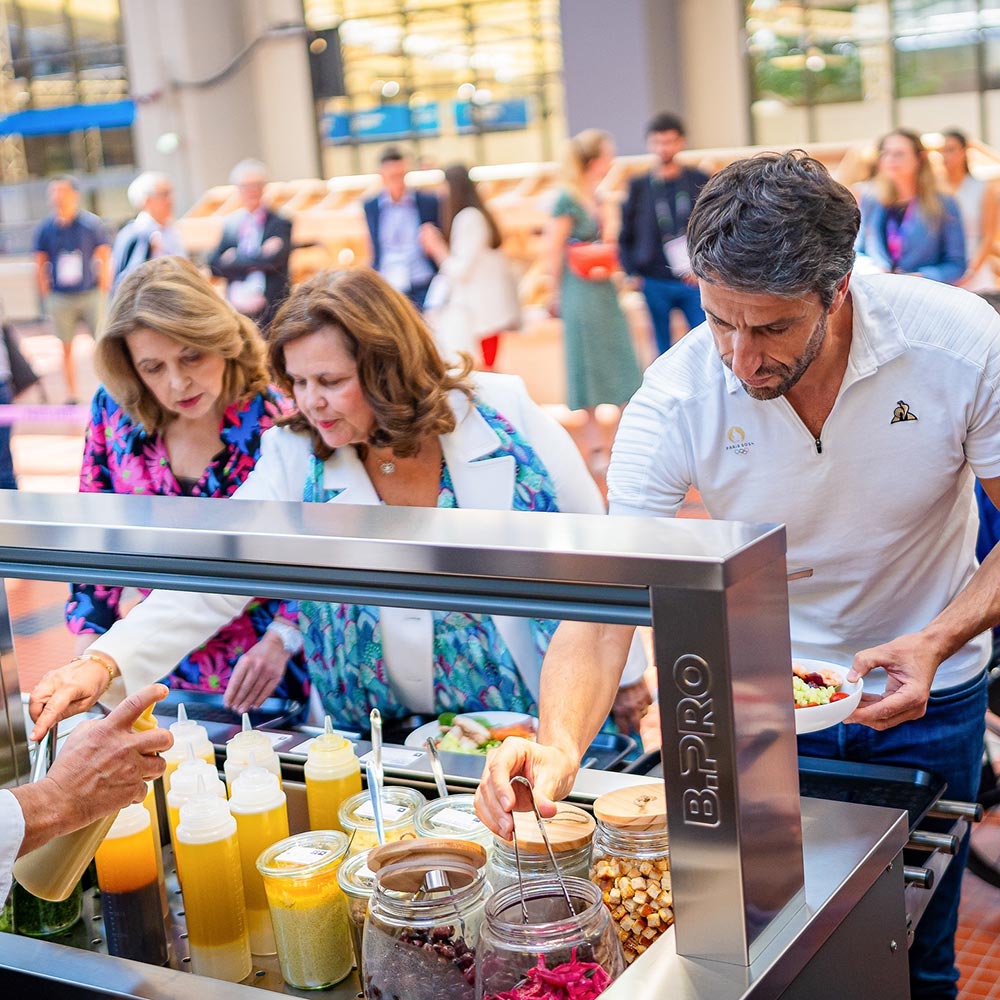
(53, 870)
(130, 889)
(213, 888)
(258, 806)
(183, 788)
(333, 774)
(239, 748)
(186, 731)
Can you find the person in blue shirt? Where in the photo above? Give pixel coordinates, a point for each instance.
(395, 218)
(73, 268)
(907, 226)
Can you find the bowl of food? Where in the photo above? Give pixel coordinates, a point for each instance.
(822, 694)
(473, 732)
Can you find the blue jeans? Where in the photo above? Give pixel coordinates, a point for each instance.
(663, 297)
(7, 480)
(947, 741)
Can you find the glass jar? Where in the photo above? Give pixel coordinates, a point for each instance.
(36, 917)
(357, 881)
(631, 864)
(308, 908)
(424, 948)
(512, 952)
(570, 833)
(399, 808)
(455, 817)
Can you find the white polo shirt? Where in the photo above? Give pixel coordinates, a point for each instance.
(881, 507)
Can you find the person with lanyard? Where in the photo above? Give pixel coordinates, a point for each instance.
(73, 269)
(651, 242)
(254, 250)
(863, 400)
(396, 216)
(907, 226)
(152, 232)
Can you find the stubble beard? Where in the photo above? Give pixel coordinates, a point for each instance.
(790, 374)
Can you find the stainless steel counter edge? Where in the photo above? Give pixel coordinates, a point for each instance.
(846, 847)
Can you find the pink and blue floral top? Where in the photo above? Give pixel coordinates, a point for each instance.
(121, 457)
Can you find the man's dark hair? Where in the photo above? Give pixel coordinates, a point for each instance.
(665, 122)
(391, 154)
(776, 223)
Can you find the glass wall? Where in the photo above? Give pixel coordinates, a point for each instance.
(832, 70)
(56, 54)
(477, 81)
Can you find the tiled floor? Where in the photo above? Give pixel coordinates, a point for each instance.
(47, 458)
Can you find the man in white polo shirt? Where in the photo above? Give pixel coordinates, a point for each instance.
(858, 412)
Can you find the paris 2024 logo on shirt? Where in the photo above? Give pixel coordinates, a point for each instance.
(738, 442)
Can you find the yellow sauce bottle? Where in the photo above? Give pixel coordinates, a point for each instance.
(130, 892)
(213, 888)
(53, 870)
(149, 804)
(333, 775)
(258, 806)
(239, 748)
(185, 787)
(186, 731)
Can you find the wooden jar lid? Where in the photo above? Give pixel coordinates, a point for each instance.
(570, 828)
(638, 807)
(416, 858)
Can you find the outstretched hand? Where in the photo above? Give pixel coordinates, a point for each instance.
(910, 664)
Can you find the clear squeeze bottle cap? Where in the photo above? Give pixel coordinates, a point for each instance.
(256, 790)
(205, 816)
(131, 819)
(185, 778)
(330, 750)
(187, 731)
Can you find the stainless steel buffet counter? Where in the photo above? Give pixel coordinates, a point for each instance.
(770, 894)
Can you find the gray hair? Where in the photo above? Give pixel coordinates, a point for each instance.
(776, 223)
(144, 186)
(248, 170)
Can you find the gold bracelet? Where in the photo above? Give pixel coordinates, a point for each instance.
(104, 660)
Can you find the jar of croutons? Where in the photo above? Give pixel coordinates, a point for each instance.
(631, 864)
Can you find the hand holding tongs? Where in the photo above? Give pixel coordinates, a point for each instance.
(524, 801)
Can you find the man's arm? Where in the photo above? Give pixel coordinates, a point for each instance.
(911, 661)
(42, 273)
(585, 658)
(102, 255)
(103, 767)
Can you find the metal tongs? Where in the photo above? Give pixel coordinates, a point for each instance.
(524, 801)
(376, 776)
(436, 768)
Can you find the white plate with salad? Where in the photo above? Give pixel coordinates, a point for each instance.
(473, 732)
(822, 694)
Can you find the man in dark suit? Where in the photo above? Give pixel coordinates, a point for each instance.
(654, 222)
(395, 218)
(253, 252)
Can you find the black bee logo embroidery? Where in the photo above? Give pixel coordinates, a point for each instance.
(901, 413)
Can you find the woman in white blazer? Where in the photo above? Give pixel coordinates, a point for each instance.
(380, 418)
(473, 298)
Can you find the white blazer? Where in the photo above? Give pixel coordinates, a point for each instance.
(479, 294)
(182, 621)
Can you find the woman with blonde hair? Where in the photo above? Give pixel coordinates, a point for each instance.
(907, 226)
(379, 418)
(183, 403)
(601, 364)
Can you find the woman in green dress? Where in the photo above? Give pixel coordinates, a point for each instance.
(601, 364)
